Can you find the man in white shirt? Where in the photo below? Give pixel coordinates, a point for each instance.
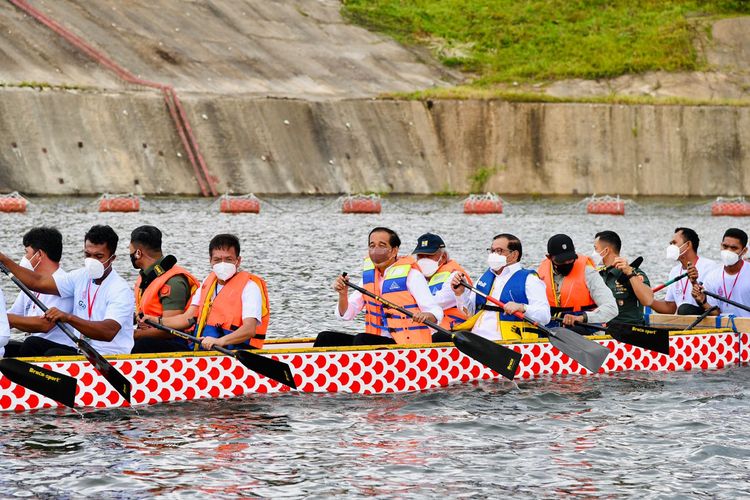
(732, 281)
(519, 289)
(683, 248)
(103, 302)
(230, 308)
(43, 251)
(396, 279)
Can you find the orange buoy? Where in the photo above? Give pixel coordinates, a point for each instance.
(361, 205)
(606, 205)
(483, 204)
(12, 202)
(737, 207)
(248, 204)
(119, 203)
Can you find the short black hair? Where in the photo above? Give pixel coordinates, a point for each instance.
(610, 238)
(739, 234)
(148, 237)
(393, 239)
(689, 235)
(224, 241)
(45, 238)
(514, 244)
(103, 234)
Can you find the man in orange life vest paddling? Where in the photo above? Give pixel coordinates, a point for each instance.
(518, 288)
(162, 289)
(230, 308)
(575, 291)
(439, 269)
(397, 279)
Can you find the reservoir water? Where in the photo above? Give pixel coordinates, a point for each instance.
(653, 435)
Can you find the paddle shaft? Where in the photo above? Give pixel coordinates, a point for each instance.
(665, 285)
(187, 336)
(701, 317)
(730, 302)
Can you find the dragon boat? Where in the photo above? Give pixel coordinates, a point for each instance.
(715, 343)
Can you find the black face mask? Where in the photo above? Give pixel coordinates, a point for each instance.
(564, 269)
(133, 259)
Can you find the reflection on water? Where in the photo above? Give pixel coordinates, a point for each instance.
(631, 434)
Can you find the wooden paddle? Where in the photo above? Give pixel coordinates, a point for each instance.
(503, 360)
(664, 285)
(587, 352)
(54, 385)
(653, 339)
(105, 368)
(271, 368)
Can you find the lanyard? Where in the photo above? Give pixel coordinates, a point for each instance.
(724, 284)
(89, 300)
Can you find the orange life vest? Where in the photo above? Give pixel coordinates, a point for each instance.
(378, 318)
(574, 294)
(147, 301)
(222, 314)
(453, 315)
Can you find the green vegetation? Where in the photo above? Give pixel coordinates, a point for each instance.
(536, 40)
(479, 178)
(42, 86)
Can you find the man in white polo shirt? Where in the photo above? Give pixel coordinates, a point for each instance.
(103, 303)
(4, 328)
(43, 250)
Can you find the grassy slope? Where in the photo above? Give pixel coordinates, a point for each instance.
(535, 40)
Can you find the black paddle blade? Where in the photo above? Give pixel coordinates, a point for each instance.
(587, 352)
(653, 339)
(276, 370)
(108, 371)
(503, 360)
(61, 388)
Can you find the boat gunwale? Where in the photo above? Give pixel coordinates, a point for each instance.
(315, 350)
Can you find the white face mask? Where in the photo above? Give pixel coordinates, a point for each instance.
(496, 261)
(94, 268)
(597, 258)
(673, 252)
(26, 263)
(428, 266)
(729, 258)
(224, 270)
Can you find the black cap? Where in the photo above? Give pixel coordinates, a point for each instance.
(560, 248)
(428, 244)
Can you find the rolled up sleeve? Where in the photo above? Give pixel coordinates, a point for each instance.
(606, 305)
(538, 306)
(417, 285)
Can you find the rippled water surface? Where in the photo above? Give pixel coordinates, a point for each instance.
(656, 435)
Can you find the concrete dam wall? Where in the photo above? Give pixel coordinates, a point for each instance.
(88, 142)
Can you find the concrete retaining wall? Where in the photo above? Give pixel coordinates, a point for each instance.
(87, 142)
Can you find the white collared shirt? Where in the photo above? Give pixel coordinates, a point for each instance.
(417, 286)
(24, 306)
(735, 287)
(4, 326)
(113, 299)
(537, 309)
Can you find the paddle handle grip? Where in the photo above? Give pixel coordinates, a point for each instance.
(64, 327)
(665, 285)
(499, 303)
(186, 336)
(396, 307)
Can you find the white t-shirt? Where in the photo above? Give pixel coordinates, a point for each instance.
(113, 299)
(4, 326)
(733, 287)
(681, 292)
(24, 306)
(252, 301)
